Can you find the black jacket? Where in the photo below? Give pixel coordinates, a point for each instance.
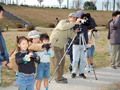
(26, 68)
(85, 33)
(92, 23)
(109, 29)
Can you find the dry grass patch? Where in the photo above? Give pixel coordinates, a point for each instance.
(5, 22)
(44, 16)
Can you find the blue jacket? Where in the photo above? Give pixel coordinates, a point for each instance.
(3, 50)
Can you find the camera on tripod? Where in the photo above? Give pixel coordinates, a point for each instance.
(84, 20)
(47, 46)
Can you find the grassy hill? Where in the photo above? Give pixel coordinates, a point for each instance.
(44, 16)
(5, 22)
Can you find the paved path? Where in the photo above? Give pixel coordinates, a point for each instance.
(105, 76)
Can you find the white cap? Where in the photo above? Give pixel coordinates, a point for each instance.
(33, 34)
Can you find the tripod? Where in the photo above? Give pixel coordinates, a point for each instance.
(82, 41)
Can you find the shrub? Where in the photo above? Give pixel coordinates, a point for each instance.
(19, 25)
(51, 25)
(3, 30)
(30, 27)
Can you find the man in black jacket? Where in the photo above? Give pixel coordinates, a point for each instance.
(4, 57)
(78, 47)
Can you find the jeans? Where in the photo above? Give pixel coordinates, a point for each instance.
(29, 87)
(78, 53)
(0, 72)
(43, 71)
(91, 51)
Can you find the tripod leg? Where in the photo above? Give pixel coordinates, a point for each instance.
(57, 66)
(95, 74)
(91, 84)
(93, 67)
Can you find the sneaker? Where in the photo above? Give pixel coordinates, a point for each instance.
(113, 67)
(64, 78)
(73, 75)
(62, 81)
(82, 76)
(70, 68)
(87, 68)
(91, 67)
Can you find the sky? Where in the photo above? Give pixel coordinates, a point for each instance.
(55, 3)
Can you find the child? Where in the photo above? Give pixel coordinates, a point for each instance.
(34, 45)
(92, 35)
(43, 69)
(26, 66)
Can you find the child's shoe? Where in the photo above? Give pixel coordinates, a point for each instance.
(87, 68)
(91, 67)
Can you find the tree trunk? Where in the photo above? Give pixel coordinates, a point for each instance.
(68, 4)
(113, 5)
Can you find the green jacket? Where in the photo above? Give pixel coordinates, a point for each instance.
(61, 33)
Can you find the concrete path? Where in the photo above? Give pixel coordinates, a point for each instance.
(105, 76)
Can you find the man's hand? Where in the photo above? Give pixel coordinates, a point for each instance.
(78, 21)
(4, 63)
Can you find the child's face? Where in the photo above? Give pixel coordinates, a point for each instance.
(23, 45)
(36, 40)
(45, 41)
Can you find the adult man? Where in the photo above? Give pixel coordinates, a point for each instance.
(115, 40)
(108, 37)
(78, 48)
(58, 38)
(4, 57)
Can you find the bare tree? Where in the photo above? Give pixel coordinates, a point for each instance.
(113, 5)
(118, 4)
(17, 2)
(68, 4)
(94, 1)
(106, 4)
(60, 2)
(78, 4)
(40, 1)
